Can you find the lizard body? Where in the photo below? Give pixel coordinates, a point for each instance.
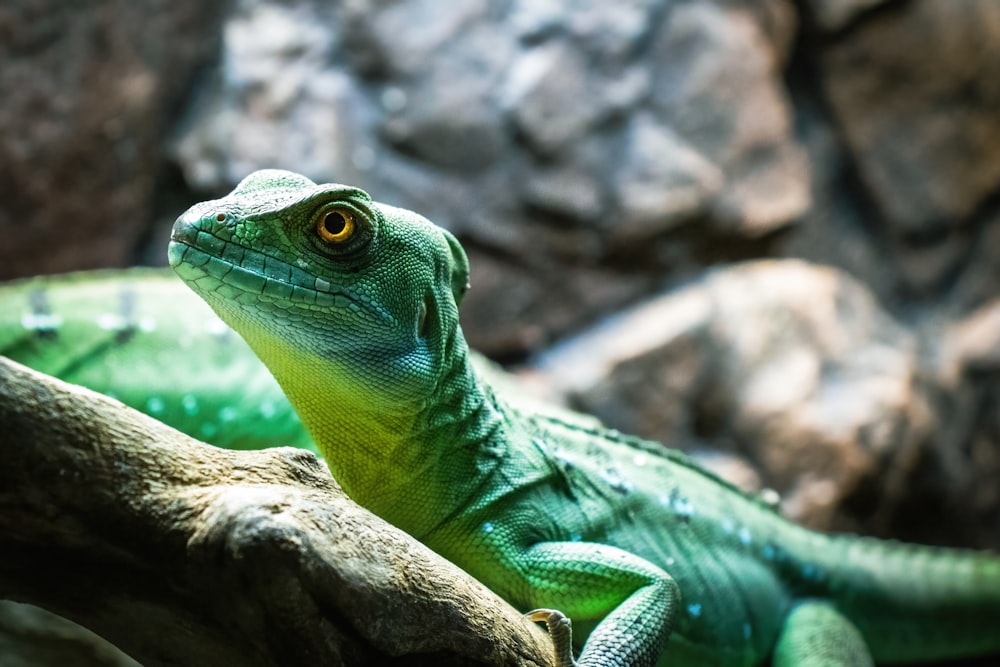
(353, 306)
(142, 337)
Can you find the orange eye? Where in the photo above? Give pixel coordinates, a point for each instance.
(335, 226)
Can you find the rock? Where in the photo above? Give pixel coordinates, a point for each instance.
(663, 182)
(778, 21)
(717, 87)
(889, 83)
(979, 274)
(832, 15)
(963, 369)
(505, 316)
(928, 265)
(543, 92)
(449, 116)
(795, 367)
(90, 89)
(246, 114)
(971, 345)
(612, 32)
(573, 187)
(840, 229)
(398, 39)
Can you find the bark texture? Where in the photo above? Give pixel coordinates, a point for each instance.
(182, 553)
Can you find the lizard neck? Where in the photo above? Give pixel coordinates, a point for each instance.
(433, 453)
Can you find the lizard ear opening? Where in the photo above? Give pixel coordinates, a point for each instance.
(459, 267)
(426, 316)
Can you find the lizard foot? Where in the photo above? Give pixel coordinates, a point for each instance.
(561, 632)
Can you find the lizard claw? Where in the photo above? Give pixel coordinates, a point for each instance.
(560, 630)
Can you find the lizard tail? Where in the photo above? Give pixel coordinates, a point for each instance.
(914, 603)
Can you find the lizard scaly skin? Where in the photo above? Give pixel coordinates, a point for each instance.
(141, 336)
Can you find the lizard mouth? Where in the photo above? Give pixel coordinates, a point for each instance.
(194, 254)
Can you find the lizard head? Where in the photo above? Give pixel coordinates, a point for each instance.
(348, 302)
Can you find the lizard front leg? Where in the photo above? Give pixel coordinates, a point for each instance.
(636, 599)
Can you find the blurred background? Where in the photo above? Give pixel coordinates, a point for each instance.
(769, 229)
(764, 231)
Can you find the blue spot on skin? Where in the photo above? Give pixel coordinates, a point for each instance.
(111, 322)
(154, 405)
(745, 536)
(562, 457)
(747, 631)
(487, 527)
(227, 414)
(810, 571)
(768, 552)
(41, 321)
(575, 537)
(190, 404)
(694, 610)
(614, 479)
(684, 507)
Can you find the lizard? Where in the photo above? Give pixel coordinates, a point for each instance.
(141, 336)
(353, 306)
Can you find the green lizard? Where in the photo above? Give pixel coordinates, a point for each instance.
(141, 336)
(353, 306)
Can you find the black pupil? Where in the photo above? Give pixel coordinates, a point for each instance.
(334, 223)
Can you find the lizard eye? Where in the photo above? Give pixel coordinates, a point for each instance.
(335, 226)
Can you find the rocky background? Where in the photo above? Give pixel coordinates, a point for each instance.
(766, 231)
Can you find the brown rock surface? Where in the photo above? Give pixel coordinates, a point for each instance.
(795, 367)
(90, 91)
(915, 93)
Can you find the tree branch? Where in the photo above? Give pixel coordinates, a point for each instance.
(182, 553)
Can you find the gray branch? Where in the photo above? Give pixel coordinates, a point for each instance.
(185, 554)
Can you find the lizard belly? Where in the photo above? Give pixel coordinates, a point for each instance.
(721, 548)
(732, 604)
